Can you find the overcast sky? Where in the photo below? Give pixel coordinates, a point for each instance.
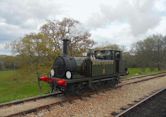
(109, 21)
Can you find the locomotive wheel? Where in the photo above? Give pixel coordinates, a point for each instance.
(70, 89)
(114, 82)
(75, 89)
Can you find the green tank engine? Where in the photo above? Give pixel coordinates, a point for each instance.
(70, 73)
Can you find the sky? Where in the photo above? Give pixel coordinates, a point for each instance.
(109, 21)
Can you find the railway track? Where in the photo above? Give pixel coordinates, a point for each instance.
(141, 79)
(152, 106)
(140, 76)
(17, 107)
(36, 104)
(27, 100)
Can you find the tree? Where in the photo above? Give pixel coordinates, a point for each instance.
(150, 52)
(8, 62)
(56, 31)
(34, 49)
(44, 46)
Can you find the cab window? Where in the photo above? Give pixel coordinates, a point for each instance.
(103, 54)
(117, 55)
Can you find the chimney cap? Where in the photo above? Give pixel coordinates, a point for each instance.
(66, 40)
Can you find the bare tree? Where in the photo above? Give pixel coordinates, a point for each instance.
(68, 29)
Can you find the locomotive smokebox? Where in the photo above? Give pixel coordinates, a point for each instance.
(65, 47)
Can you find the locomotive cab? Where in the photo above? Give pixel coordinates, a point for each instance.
(106, 63)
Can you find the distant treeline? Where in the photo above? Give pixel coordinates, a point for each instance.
(8, 62)
(150, 52)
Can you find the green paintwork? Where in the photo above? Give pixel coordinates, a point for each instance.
(102, 67)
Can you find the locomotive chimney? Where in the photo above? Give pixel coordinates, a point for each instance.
(65, 47)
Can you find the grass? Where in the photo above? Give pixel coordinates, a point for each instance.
(141, 71)
(15, 85)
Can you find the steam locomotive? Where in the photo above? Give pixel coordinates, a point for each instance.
(73, 73)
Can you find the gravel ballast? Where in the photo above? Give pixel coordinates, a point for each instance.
(104, 104)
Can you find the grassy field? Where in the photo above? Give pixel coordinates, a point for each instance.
(16, 85)
(140, 71)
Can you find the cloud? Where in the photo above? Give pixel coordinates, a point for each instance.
(159, 29)
(10, 32)
(160, 5)
(25, 15)
(18, 17)
(116, 33)
(18, 12)
(140, 15)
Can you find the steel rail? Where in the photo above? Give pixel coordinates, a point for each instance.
(140, 76)
(27, 99)
(36, 109)
(141, 80)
